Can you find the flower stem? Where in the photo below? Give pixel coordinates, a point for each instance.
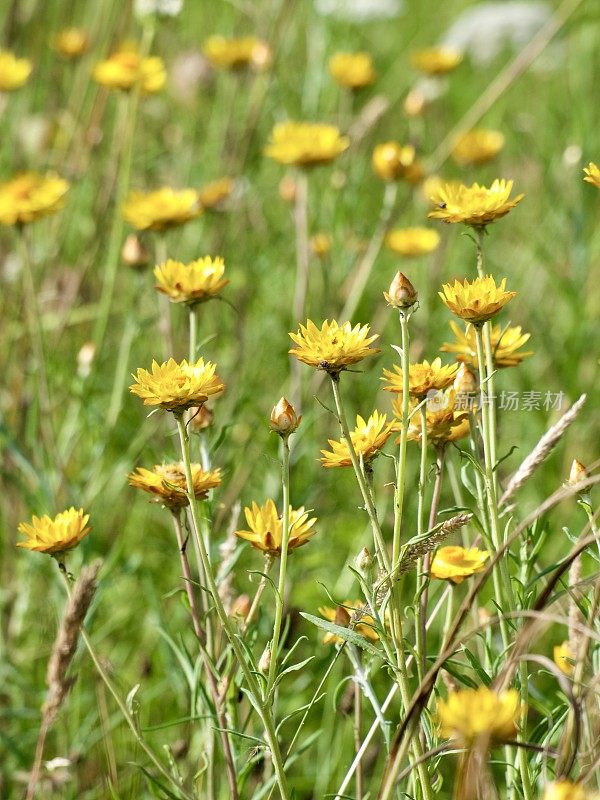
(285, 537)
(422, 578)
(401, 466)
(240, 656)
(302, 266)
(193, 319)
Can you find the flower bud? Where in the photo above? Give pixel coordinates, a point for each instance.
(241, 606)
(414, 103)
(465, 381)
(85, 358)
(342, 617)
(363, 561)
(262, 56)
(201, 418)
(402, 294)
(320, 244)
(391, 160)
(134, 253)
(284, 419)
(577, 474)
(265, 660)
(287, 189)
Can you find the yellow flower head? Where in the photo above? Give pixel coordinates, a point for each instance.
(167, 482)
(212, 195)
(161, 209)
(71, 42)
(29, 196)
(349, 614)
(191, 283)
(566, 790)
(476, 301)
(477, 146)
(592, 174)
(176, 387)
(368, 439)
(445, 422)
(266, 529)
(392, 161)
(320, 244)
(469, 714)
(453, 563)
(410, 242)
(333, 347)
(505, 344)
(248, 51)
(436, 60)
(474, 205)
(305, 143)
(126, 69)
(54, 536)
(13, 71)
(564, 658)
(352, 70)
(422, 377)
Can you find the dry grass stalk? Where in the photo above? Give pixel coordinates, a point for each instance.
(429, 544)
(541, 450)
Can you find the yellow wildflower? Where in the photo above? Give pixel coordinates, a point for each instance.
(55, 536)
(266, 529)
(392, 161)
(476, 301)
(592, 174)
(231, 53)
(344, 616)
(477, 146)
(564, 658)
(368, 438)
(436, 60)
(422, 377)
(191, 283)
(176, 387)
(29, 196)
(505, 344)
(14, 71)
(71, 42)
(161, 209)
(445, 422)
(212, 195)
(409, 242)
(167, 482)
(126, 69)
(567, 790)
(469, 714)
(474, 205)
(320, 244)
(305, 143)
(352, 70)
(453, 563)
(333, 347)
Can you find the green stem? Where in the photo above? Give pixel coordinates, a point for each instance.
(302, 267)
(193, 317)
(224, 619)
(285, 537)
(401, 466)
(422, 578)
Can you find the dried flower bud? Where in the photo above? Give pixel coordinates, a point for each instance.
(342, 617)
(484, 616)
(241, 606)
(265, 660)
(85, 359)
(284, 419)
(320, 244)
(287, 189)
(402, 294)
(577, 474)
(201, 418)
(465, 381)
(364, 561)
(134, 253)
(414, 103)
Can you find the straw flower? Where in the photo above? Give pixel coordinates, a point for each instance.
(423, 377)
(71, 42)
(368, 438)
(445, 422)
(471, 713)
(409, 242)
(191, 283)
(55, 536)
(401, 294)
(477, 146)
(320, 244)
(14, 71)
(29, 196)
(592, 174)
(564, 658)
(212, 195)
(333, 347)
(175, 387)
(474, 205)
(235, 54)
(453, 563)
(126, 69)
(161, 209)
(476, 301)
(352, 70)
(436, 60)
(505, 342)
(305, 143)
(266, 530)
(577, 473)
(167, 482)
(284, 420)
(566, 790)
(343, 616)
(392, 161)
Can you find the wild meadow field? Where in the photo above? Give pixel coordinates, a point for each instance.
(299, 431)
